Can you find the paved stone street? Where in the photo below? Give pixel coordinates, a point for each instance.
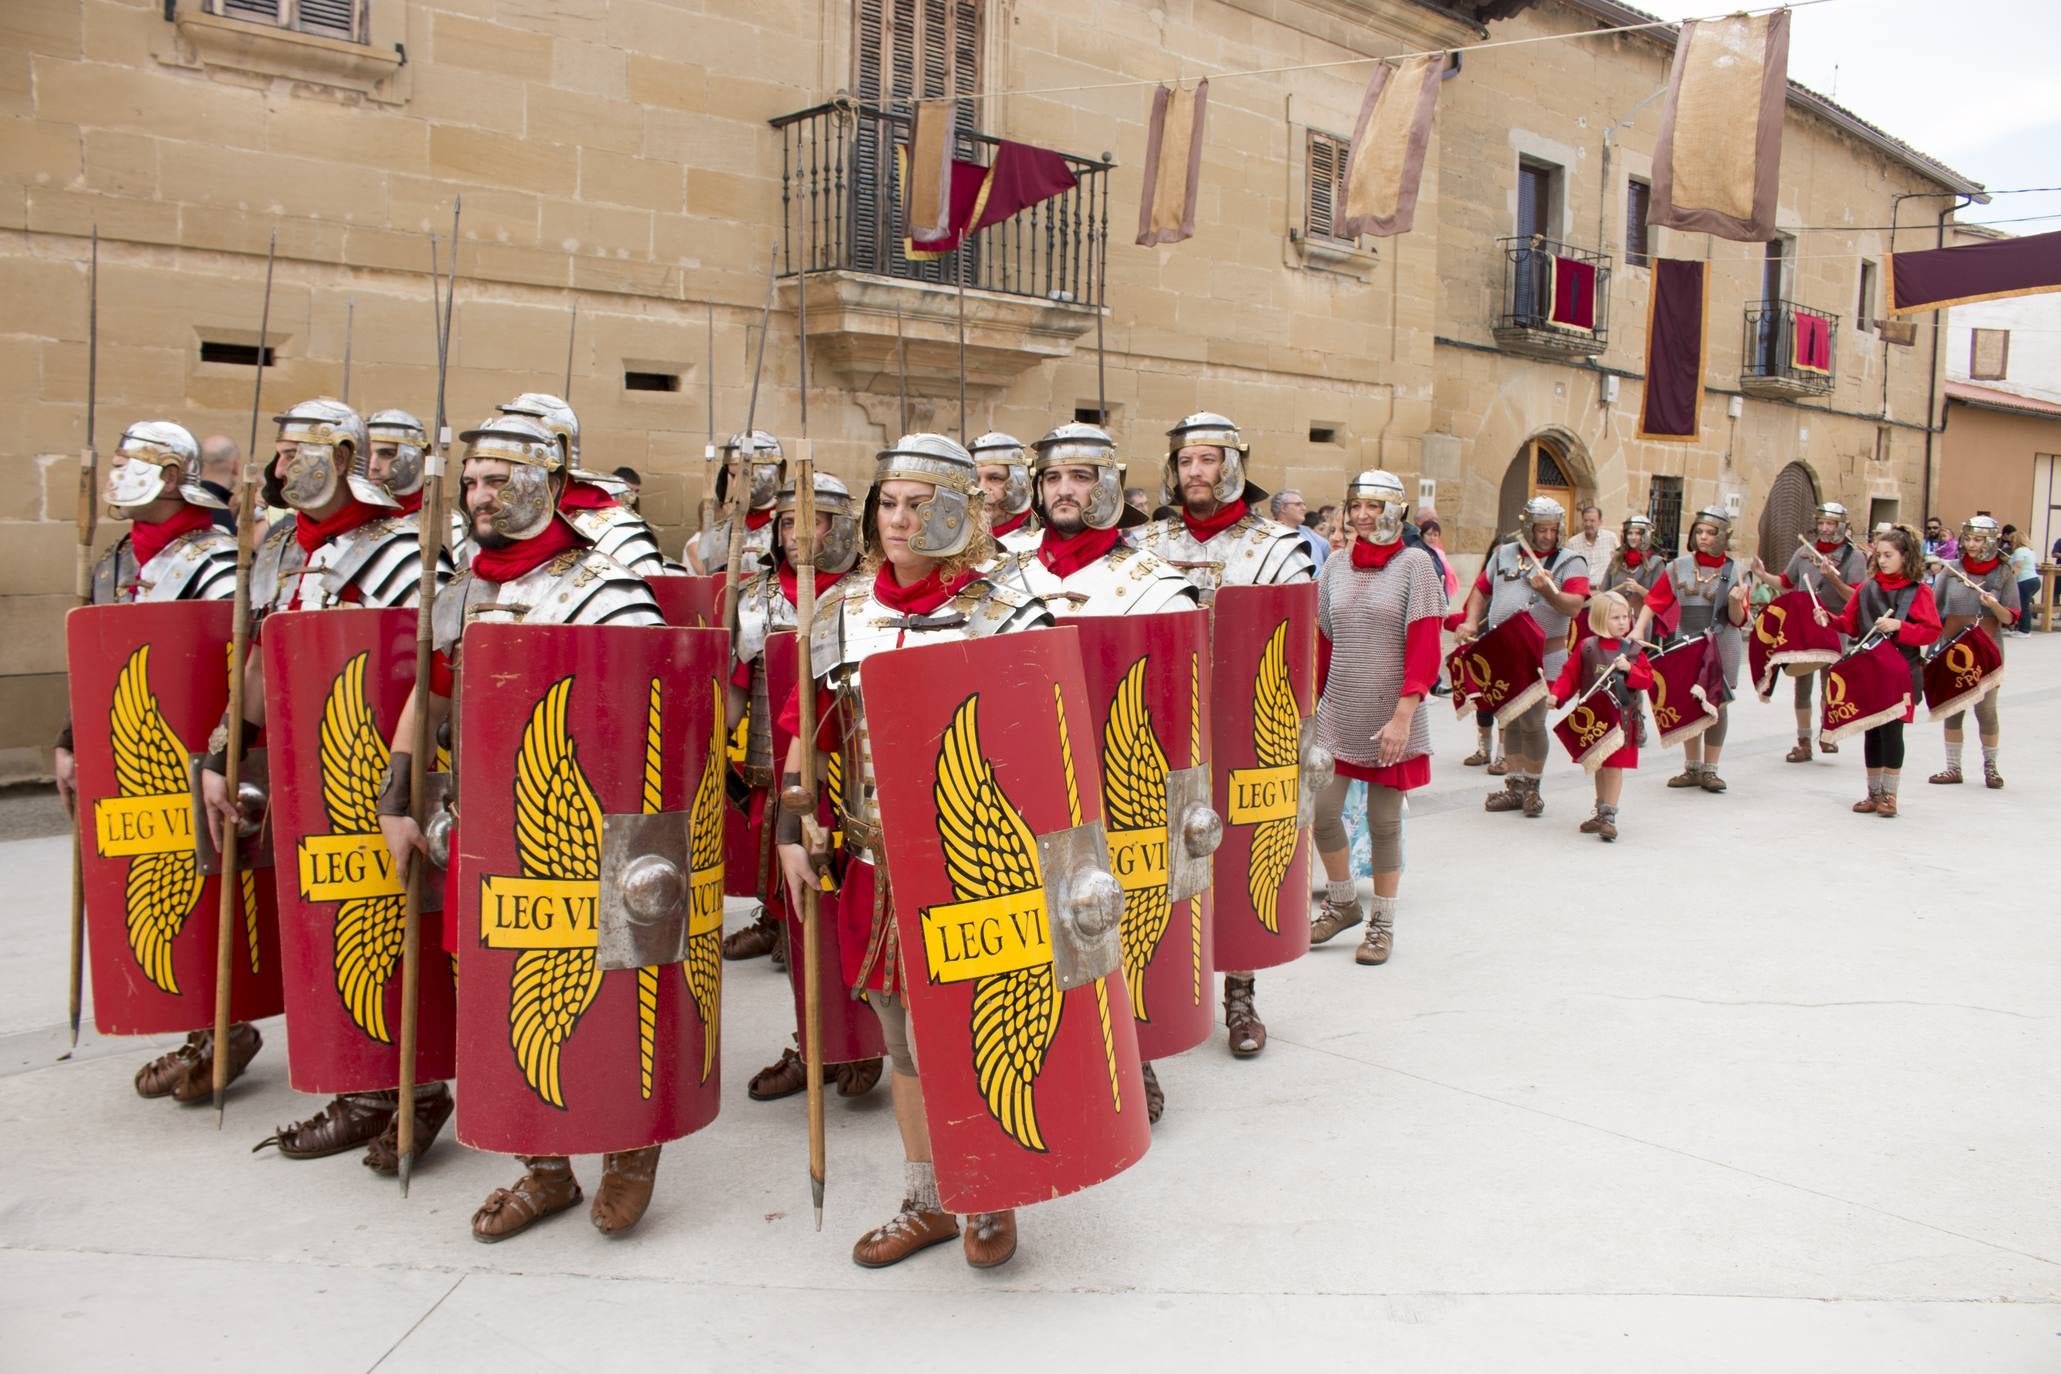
(1764, 1085)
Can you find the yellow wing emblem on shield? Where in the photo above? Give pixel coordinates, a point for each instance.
(1276, 742)
(1134, 770)
(990, 852)
(368, 929)
(150, 762)
(557, 835)
(703, 967)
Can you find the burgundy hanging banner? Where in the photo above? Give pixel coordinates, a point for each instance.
(1717, 167)
(1677, 323)
(1937, 277)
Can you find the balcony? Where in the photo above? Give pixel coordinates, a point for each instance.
(1033, 284)
(1556, 299)
(1788, 350)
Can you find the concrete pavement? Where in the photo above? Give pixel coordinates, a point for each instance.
(1763, 1085)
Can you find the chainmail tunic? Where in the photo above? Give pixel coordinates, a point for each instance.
(1366, 613)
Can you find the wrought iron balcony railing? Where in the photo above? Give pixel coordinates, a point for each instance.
(1556, 298)
(841, 205)
(1788, 349)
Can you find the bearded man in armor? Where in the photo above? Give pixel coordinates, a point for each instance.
(173, 551)
(532, 568)
(1551, 589)
(1220, 539)
(1708, 588)
(755, 458)
(592, 500)
(1005, 479)
(1831, 567)
(920, 583)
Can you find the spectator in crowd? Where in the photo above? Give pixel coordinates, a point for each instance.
(1290, 509)
(1594, 542)
(1434, 537)
(219, 457)
(633, 485)
(1138, 499)
(1938, 543)
(2025, 569)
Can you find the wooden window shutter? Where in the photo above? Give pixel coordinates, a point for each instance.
(1325, 193)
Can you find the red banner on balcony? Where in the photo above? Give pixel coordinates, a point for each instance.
(1387, 158)
(1939, 277)
(1719, 159)
(1019, 178)
(1173, 165)
(1573, 287)
(1677, 323)
(1811, 349)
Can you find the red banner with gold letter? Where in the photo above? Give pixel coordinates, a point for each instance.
(1501, 672)
(1592, 731)
(1967, 669)
(1682, 708)
(1786, 635)
(1864, 690)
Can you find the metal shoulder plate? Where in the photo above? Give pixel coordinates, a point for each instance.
(826, 636)
(447, 616)
(1268, 553)
(991, 608)
(383, 559)
(623, 535)
(200, 566)
(761, 609)
(268, 567)
(107, 573)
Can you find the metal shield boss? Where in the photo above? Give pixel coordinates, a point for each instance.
(990, 797)
(1148, 685)
(1266, 771)
(592, 760)
(335, 684)
(149, 683)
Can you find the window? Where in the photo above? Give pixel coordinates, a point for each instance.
(1864, 310)
(1538, 187)
(344, 19)
(234, 354)
(1664, 509)
(1881, 511)
(650, 381)
(1638, 206)
(1989, 354)
(1324, 201)
(1090, 415)
(903, 50)
(1324, 434)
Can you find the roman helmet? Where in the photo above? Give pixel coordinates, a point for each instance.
(556, 418)
(1980, 535)
(410, 441)
(947, 520)
(839, 549)
(317, 429)
(1387, 488)
(1006, 450)
(1638, 532)
(1208, 427)
(768, 468)
(1083, 445)
(1717, 519)
(156, 458)
(527, 501)
(1543, 510)
(1832, 510)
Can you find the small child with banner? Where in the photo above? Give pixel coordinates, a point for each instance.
(1604, 730)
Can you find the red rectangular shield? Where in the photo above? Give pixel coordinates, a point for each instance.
(691, 601)
(148, 685)
(1682, 708)
(1592, 731)
(984, 756)
(1786, 634)
(1502, 672)
(1965, 669)
(335, 683)
(560, 726)
(1864, 690)
(1264, 685)
(1148, 683)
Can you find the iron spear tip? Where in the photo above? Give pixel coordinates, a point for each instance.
(407, 1163)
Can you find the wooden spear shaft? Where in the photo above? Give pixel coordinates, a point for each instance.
(805, 690)
(740, 477)
(82, 588)
(230, 878)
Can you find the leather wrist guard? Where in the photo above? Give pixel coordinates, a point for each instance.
(787, 828)
(394, 788)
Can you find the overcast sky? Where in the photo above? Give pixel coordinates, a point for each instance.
(1970, 82)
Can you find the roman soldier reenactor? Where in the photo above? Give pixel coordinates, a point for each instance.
(755, 458)
(1005, 478)
(1709, 589)
(1635, 566)
(1995, 608)
(1549, 584)
(1830, 568)
(1380, 611)
(592, 501)
(1219, 539)
(172, 552)
(533, 569)
(919, 584)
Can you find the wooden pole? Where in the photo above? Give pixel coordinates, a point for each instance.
(805, 689)
(740, 479)
(82, 588)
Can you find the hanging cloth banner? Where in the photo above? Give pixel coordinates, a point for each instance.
(1811, 346)
(1573, 286)
(930, 175)
(1019, 178)
(1677, 320)
(1938, 277)
(1173, 165)
(1387, 158)
(1719, 158)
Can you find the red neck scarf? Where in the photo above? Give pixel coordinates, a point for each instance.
(1634, 557)
(1209, 527)
(1705, 560)
(1064, 555)
(411, 504)
(1834, 547)
(312, 534)
(1891, 582)
(1011, 525)
(585, 496)
(790, 583)
(148, 539)
(1368, 554)
(920, 597)
(504, 565)
(1976, 569)
(757, 519)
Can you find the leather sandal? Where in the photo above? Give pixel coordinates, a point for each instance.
(162, 1074)
(1799, 753)
(1991, 778)
(857, 1078)
(778, 955)
(1947, 776)
(1155, 1097)
(1333, 917)
(627, 1177)
(346, 1122)
(902, 1235)
(198, 1085)
(546, 1188)
(1826, 746)
(1866, 807)
(1712, 782)
(1688, 777)
(783, 1078)
(1247, 1033)
(755, 940)
(990, 1239)
(433, 1107)
(1498, 767)
(1885, 805)
(1476, 759)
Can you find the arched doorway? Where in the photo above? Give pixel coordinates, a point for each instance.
(1789, 512)
(1542, 467)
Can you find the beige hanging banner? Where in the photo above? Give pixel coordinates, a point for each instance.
(930, 171)
(1387, 158)
(1719, 160)
(1173, 165)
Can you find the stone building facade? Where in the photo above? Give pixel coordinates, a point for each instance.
(648, 158)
